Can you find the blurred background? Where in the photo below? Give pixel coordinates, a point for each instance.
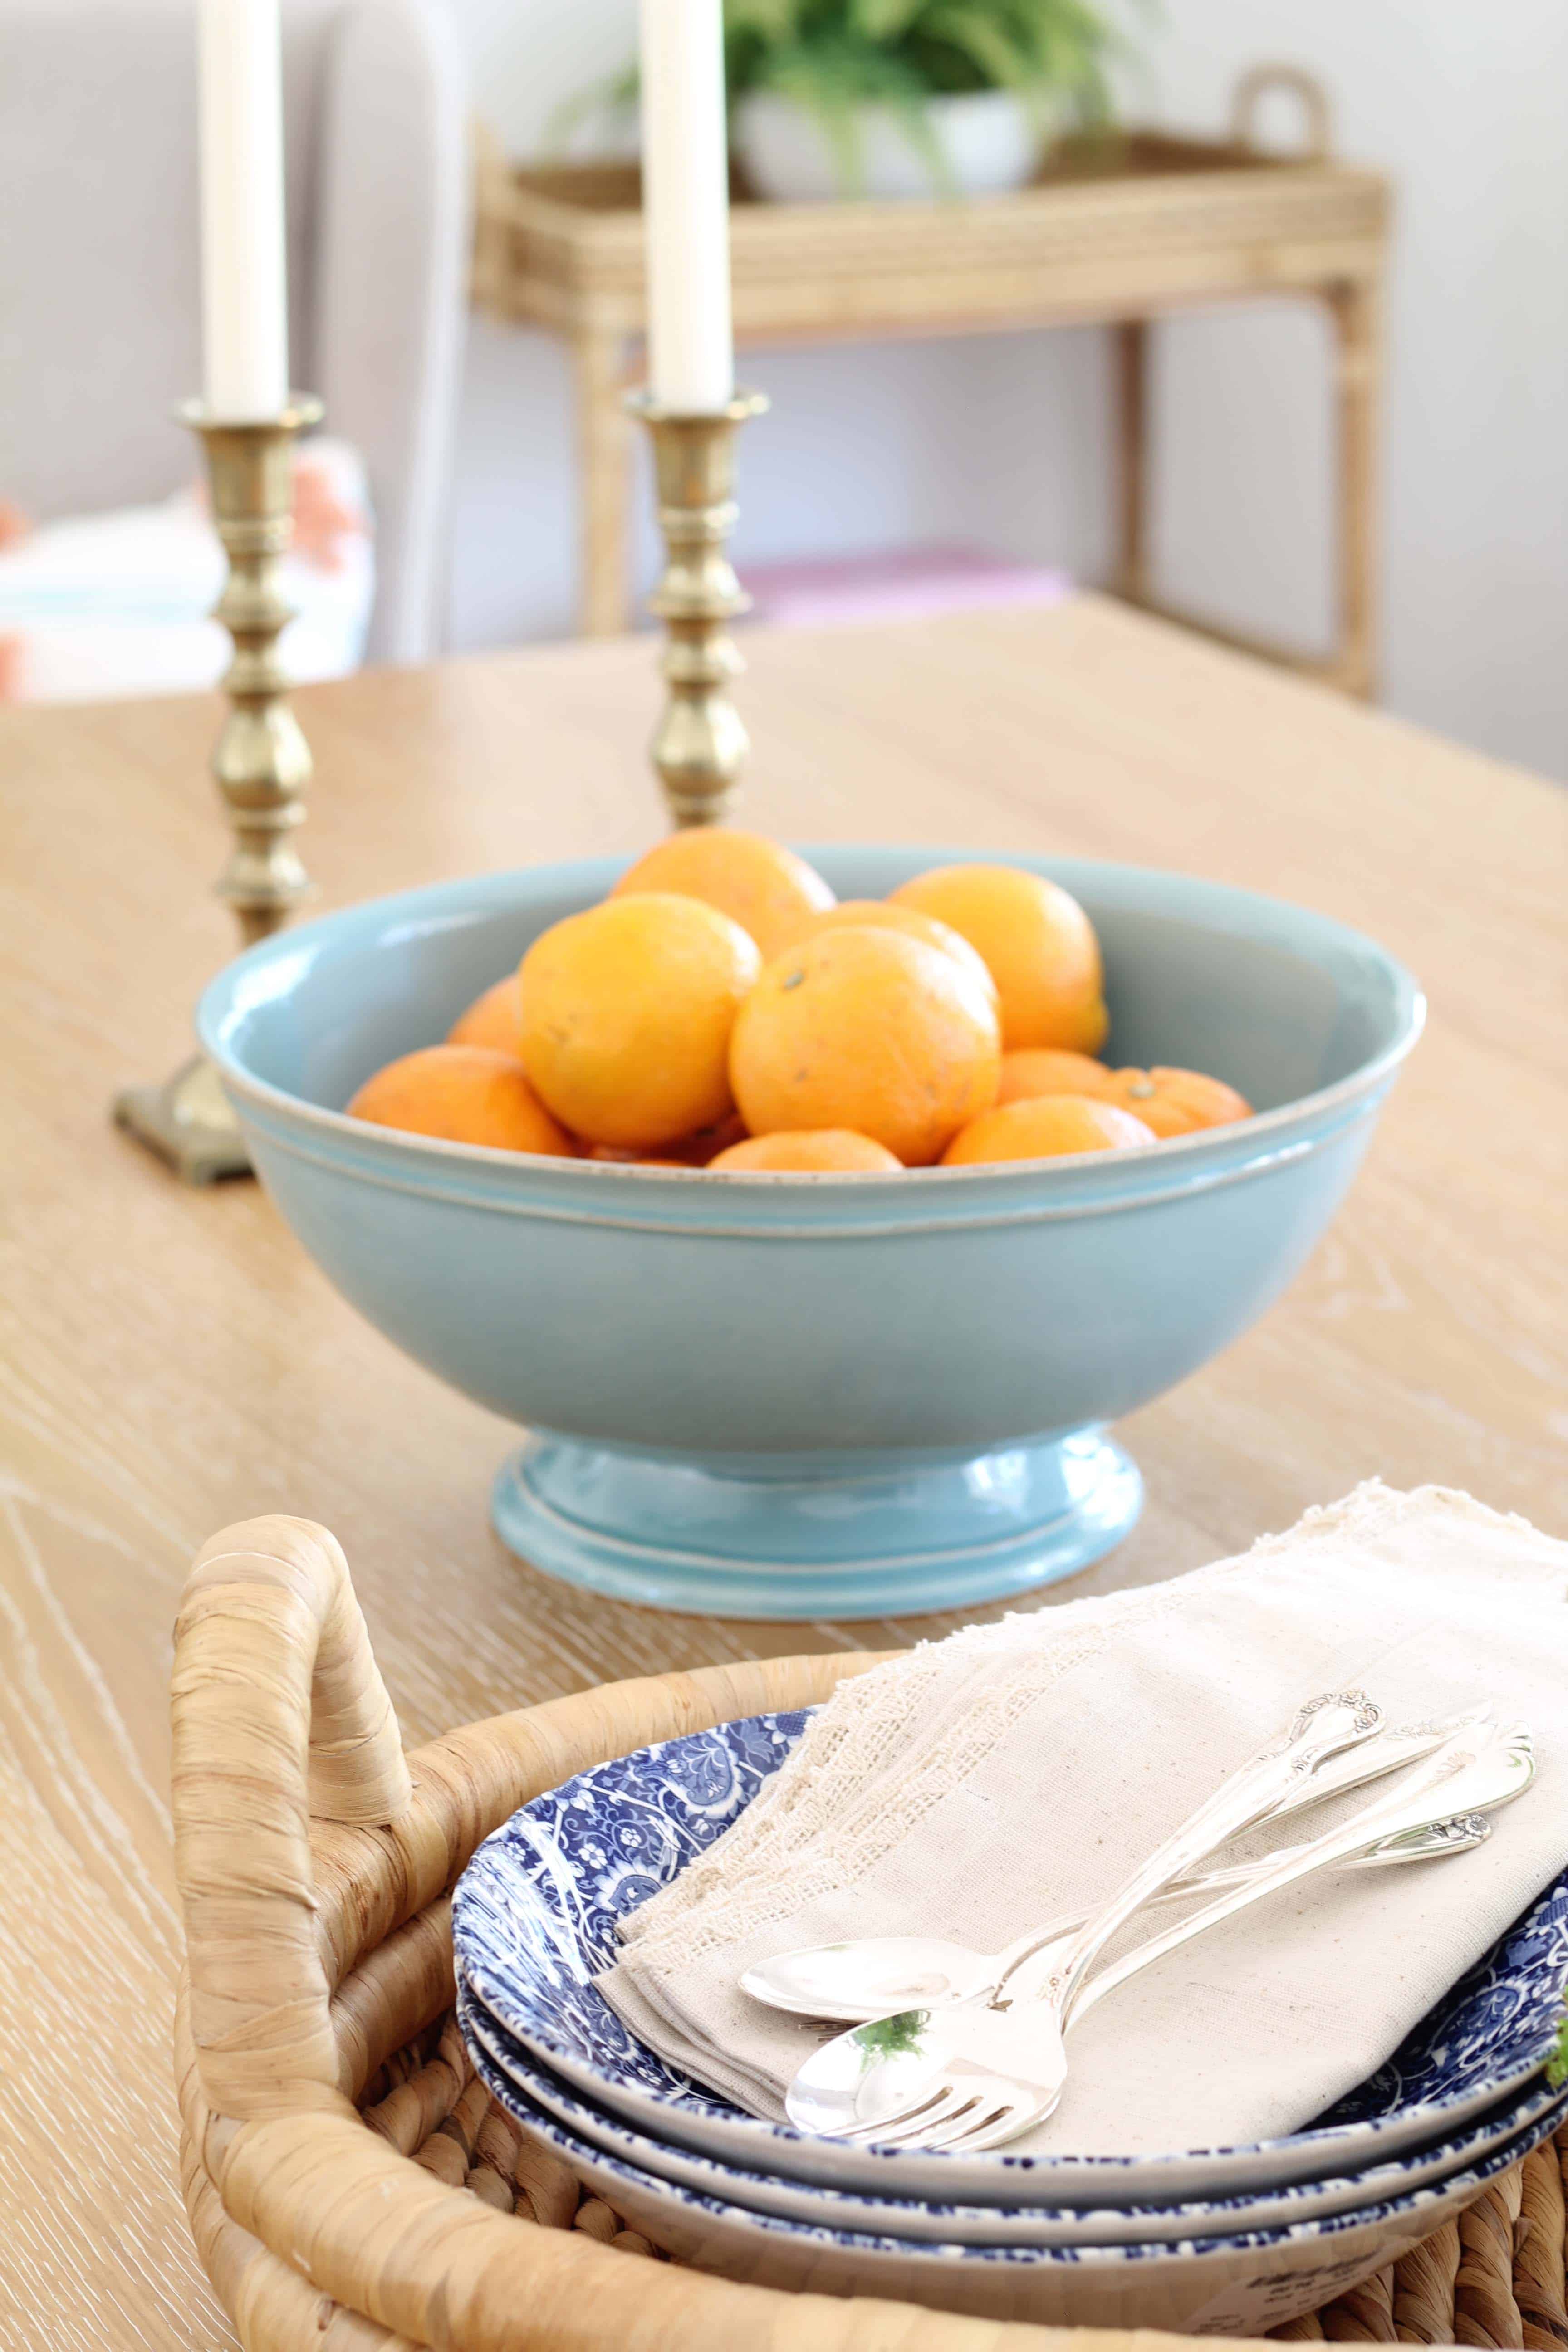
(455, 426)
(1006, 439)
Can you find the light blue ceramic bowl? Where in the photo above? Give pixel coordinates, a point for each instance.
(786, 1396)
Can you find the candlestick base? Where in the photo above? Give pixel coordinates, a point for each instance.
(188, 1121)
(261, 761)
(699, 747)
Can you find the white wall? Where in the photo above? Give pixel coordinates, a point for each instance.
(1004, 439)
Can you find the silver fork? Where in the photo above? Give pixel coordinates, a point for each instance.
(977, 2074)
(869, 1977)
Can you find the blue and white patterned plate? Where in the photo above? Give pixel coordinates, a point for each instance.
(1238, 2283)
(993, 2225)
(534, 1922)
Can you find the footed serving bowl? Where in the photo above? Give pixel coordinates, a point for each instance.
(804, 1396)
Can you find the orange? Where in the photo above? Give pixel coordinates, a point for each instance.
(867, 1030)
(468, 1094)
(758, 883)
(1178, 1102)
(698, 1151)
(1045, 1128)
(1037, 942)
(1051, 1070)
(494, 1019)
(627, 1015)
(833, 1148)
(908, 919)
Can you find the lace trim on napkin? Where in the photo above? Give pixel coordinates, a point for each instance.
(808, 1834)
(810, 1831)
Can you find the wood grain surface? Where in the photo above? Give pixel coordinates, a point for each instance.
(171, 1360)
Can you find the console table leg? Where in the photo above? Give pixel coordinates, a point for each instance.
(1130, 363)
(1353, 310)
(603, 476)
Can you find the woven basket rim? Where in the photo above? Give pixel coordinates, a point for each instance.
(315, 1864)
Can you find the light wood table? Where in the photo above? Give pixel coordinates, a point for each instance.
(171, 1360)
(1119, 234)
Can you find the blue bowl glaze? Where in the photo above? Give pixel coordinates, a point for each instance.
(796, 1396)
(535, 1920)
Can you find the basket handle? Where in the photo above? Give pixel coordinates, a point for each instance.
(279, 1712)
(1256, 83)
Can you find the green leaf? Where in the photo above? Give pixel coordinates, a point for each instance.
(834, 56)
(775, 20)
(890, 2037)
(983, 38)
(1557, 2065)
(884, 20)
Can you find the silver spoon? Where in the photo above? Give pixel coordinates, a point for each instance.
(975, 2074)
(873, 1976)
(1043, 1945)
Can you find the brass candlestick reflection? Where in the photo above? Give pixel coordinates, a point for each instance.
(261, 760)
(699, 747)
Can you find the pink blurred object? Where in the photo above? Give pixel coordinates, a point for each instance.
(900, 583)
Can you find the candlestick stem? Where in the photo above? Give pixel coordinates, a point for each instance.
(699, 746)
(261, 761)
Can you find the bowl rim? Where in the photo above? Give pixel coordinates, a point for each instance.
(216, 1007)
(1536, 2094)
(748, 2142)
(1085, 2256)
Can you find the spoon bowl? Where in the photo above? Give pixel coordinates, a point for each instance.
(874, 1976)
(973, 2075)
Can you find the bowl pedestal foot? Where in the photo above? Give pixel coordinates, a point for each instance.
(816, 1535)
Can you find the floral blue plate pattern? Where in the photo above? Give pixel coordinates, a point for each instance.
(534, 1920)
(794, 2200)
(1240, 2283)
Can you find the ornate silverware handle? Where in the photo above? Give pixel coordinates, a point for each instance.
(1450, 1836)
(1325, 1726)
(1470, 1774)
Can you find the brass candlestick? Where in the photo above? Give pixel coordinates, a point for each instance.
(261, 760)
(699, 746)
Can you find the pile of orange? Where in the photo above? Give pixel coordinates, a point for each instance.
(721, 1010)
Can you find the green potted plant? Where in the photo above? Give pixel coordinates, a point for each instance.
(892, 98)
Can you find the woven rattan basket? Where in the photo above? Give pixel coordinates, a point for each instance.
(350, 2186)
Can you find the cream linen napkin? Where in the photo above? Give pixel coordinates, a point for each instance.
(986, 1784)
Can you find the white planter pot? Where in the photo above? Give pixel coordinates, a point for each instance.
(990, 143)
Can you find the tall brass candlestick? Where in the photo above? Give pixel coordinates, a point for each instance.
(261, 760)
(699, 746)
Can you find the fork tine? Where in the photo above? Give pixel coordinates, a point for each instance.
(981, 2122)
(933, 2109)
(942, 2121)
(1000, 2124)
(998, 2120)
(956, 2116)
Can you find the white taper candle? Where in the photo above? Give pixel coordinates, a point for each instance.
(243, 286)
(686, 205)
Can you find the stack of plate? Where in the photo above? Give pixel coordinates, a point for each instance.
(1219, 2240)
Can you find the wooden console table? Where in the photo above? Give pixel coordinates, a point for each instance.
(1117, 233)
